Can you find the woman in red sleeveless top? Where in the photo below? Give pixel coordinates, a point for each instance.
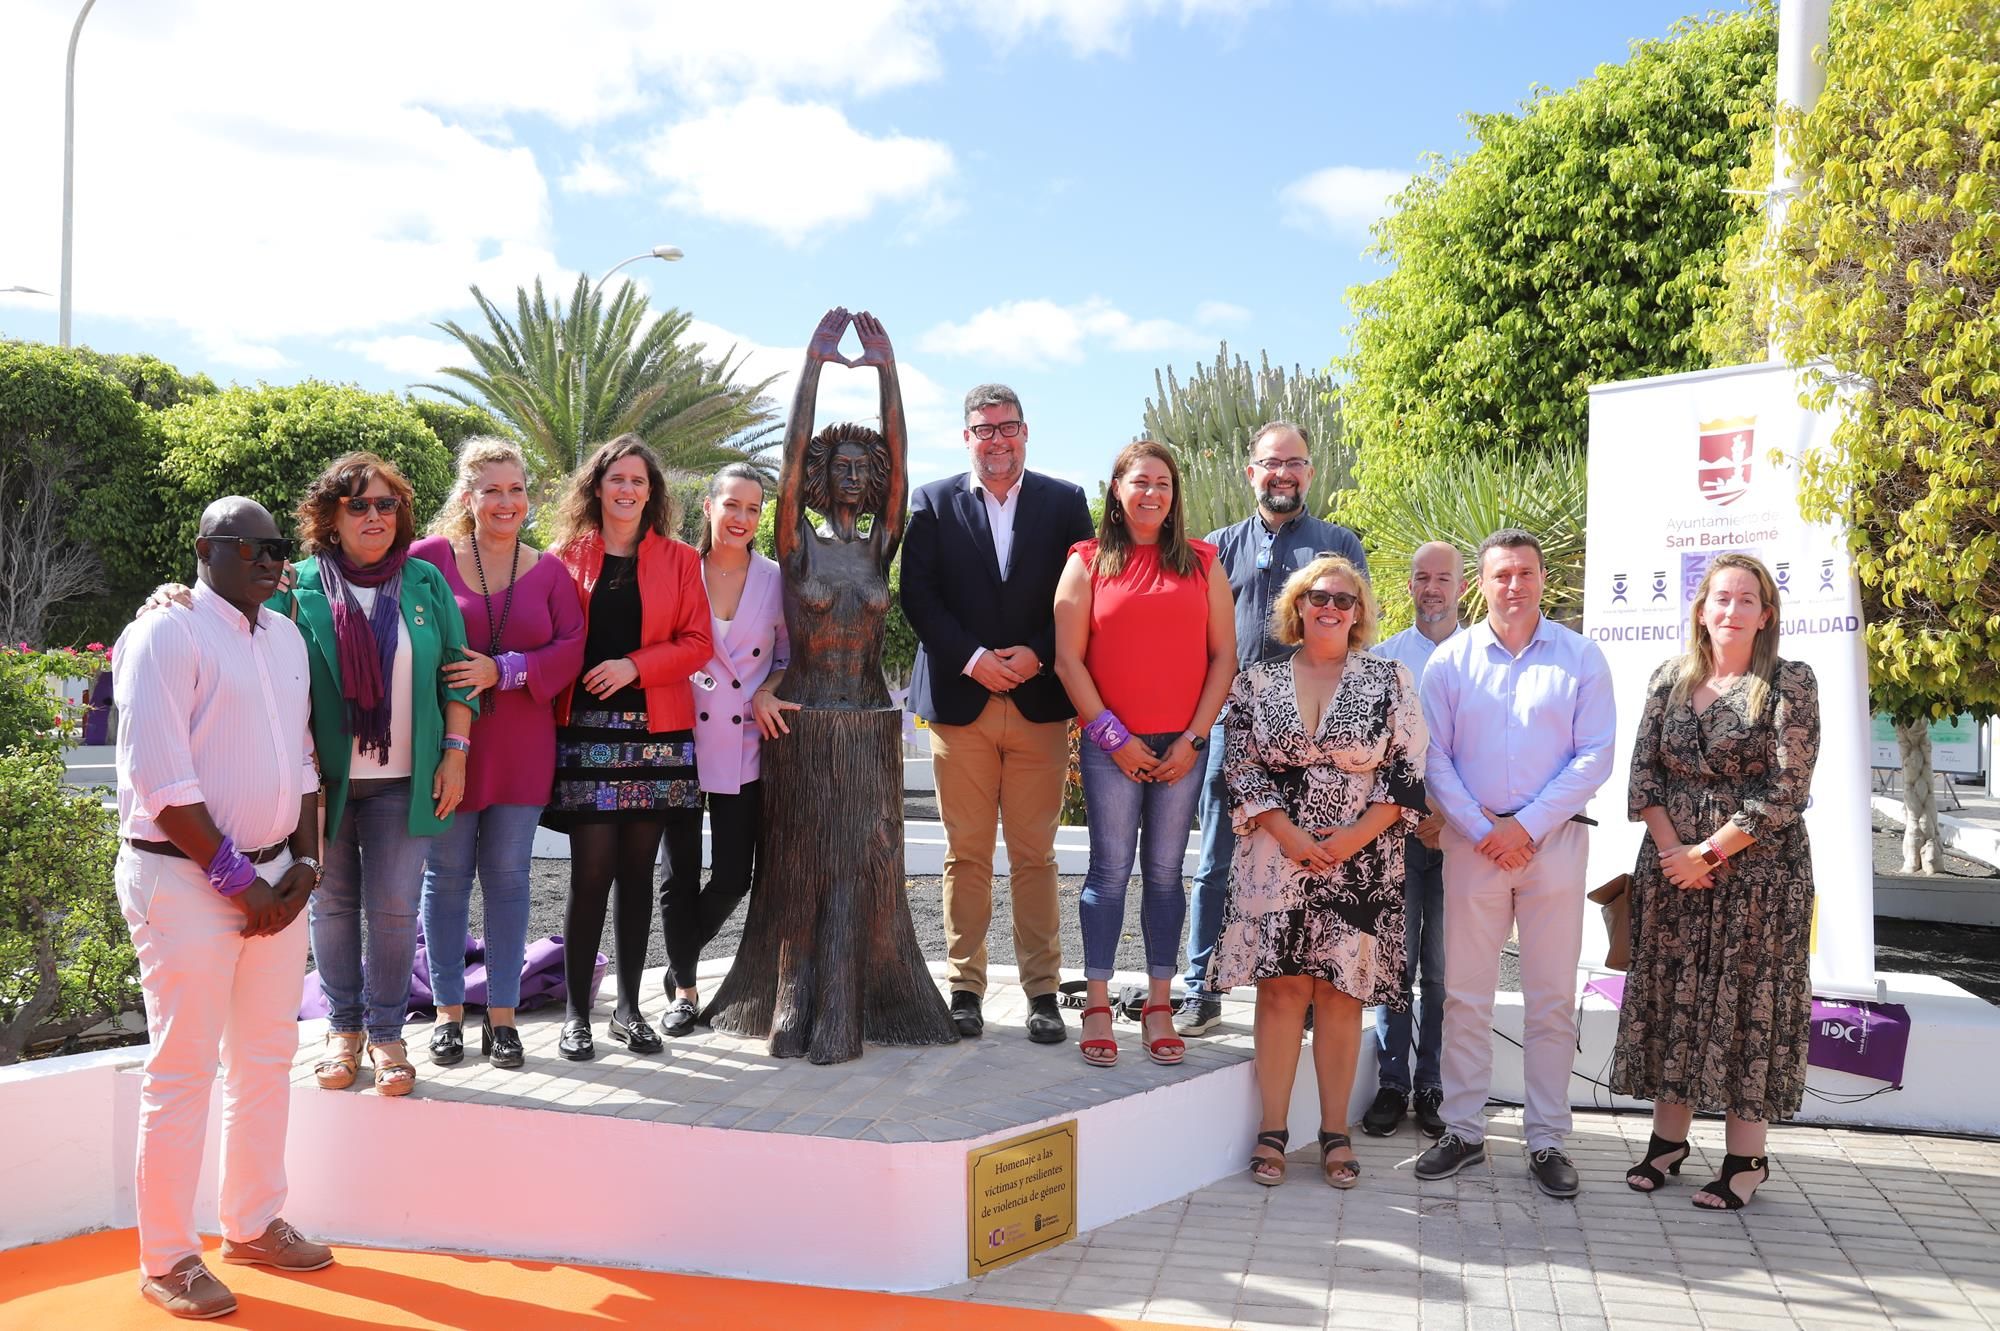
(1146, 647)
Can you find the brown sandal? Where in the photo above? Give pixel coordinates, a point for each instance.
(1339, 1173)
(341, 1064)
(394, 1073)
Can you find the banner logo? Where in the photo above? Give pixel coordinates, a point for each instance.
(1723, 470)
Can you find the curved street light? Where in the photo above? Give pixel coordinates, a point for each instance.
(668, 252)
(69, 168)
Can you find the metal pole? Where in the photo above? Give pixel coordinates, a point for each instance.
(1801, 28)
(69, 169)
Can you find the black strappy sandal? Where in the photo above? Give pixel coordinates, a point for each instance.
(1647, 1171)
(1340, 1173)
(1732, 1165)
(1277, 1139)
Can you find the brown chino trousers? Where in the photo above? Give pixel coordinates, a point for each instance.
(1003, 770)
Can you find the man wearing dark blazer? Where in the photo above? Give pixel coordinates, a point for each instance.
(981, 558)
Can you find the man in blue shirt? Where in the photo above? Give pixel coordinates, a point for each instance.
(1522, 723)
(1437, 581)
(1257, 555)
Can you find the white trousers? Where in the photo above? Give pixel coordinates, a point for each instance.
(213, 998)
(1482, 902)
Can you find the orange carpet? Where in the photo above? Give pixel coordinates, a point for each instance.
(90, 1283)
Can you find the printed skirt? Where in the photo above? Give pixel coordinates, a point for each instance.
(610, 768)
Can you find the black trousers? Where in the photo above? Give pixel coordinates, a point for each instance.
(734, 824)
(680, 896)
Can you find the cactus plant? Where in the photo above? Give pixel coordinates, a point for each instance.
(1209, 420)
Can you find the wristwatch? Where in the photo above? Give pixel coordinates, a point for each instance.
(1710, 856)
(319, 870)
(1199, 741)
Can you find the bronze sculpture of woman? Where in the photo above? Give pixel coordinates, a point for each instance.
(829, 957)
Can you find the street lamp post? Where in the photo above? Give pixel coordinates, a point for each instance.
(69, 168)
(667, 252)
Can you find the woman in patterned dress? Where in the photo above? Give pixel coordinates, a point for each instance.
(625, 763)
(1325, 765)
(1718, 1001)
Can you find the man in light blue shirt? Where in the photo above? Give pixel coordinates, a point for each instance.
(1437, 582)
(1522, 723)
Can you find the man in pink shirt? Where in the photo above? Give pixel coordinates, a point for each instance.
(218, 810)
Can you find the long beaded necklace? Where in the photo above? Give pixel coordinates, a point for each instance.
(493, 630)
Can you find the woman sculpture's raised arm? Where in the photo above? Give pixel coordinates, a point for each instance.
(824, 347)
(876, 351)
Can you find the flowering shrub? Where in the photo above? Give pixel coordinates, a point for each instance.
(32, 714)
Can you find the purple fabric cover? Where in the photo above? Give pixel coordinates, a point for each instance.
(1866, 1039)
(542, 982)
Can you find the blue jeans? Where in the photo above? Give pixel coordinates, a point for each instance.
(374, 873)
(1125, 814)
(1423, 937)
(1211, 876)
(499, 842)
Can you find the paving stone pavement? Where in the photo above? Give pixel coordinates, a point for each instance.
(951, 1093)
(1855, 1229)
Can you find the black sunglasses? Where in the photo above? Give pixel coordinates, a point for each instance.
(1338, 600)
(384, 504)
(249, 548)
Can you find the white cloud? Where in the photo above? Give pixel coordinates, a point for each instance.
(728, 162)
(1091, 27)
(1038, 333)
(591, 174)
(847, 394)
(418, 357)
(224, 350)
(1220, 312)
(1346, 199)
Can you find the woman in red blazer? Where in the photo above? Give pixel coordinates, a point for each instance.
(625, 765)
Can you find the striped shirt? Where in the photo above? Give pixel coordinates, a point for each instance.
(213, 712)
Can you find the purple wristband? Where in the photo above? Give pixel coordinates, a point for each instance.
(513, 667)
(1107, 732)
(229, 872)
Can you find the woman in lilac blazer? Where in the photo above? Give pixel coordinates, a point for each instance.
(735, 697)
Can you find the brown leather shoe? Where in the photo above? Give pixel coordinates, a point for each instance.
(189, 1290)
(280, 1246)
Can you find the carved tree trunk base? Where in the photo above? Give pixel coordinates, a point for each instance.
(829, 957)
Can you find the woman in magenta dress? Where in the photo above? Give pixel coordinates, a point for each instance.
(524, 627)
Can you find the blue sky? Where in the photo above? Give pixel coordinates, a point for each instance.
(1060, 194)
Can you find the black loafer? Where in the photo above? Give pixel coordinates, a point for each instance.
(1553, 1173)
(576, 1044)
(1451, 1154)
(965, 1014)
(678, 1019)
(636, 1035)
(1386, 1113)
(447, 1044)
(502, 1044)
(1045, 1023)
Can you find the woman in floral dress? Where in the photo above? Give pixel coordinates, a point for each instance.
(1718, 1001)
(1325, 765)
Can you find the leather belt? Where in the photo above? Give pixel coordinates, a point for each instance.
(264, 856)
(1575, 818)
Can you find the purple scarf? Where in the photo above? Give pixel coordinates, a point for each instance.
(365, 645)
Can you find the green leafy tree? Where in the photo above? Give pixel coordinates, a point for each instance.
(66, 960)
(151, 381)
(1579, 241)
(269, 443)
(1210, 420)
(455, 422)
(1886, 267)
(566, 378)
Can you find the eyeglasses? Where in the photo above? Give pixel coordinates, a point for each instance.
(1338, 600)
(250, 548)
(383, 504)
(1005, 429)
(1272, 466)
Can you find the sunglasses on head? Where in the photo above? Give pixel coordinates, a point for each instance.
(384, 504)
(1338, 600)
(250, 548)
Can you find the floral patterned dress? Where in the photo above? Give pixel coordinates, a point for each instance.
(1345, 927)
(1718, 1001)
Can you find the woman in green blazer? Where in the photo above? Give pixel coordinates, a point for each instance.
(392, 742)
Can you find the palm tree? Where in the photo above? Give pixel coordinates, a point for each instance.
(566, 379)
